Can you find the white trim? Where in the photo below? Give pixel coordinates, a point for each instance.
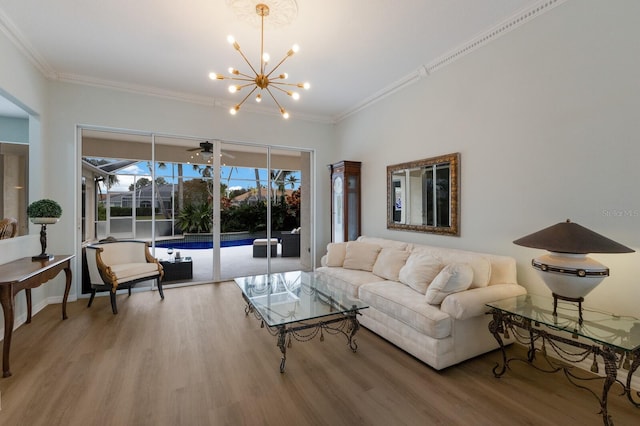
(20, 41)
(521, 17)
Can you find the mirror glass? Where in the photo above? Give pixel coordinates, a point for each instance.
(14, 164)
(422, 195)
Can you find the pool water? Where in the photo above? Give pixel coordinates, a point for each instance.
(197, 245)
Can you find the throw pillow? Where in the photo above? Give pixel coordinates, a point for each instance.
(360, 256)
(421, 268)
(453, 278)
(336, 253)
(389, 263)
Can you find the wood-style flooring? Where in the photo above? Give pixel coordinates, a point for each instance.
(195, 359)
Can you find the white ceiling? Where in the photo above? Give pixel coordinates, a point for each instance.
(351, 50)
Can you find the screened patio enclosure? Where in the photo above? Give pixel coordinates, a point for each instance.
(161, 189)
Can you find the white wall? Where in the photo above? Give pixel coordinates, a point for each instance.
(546, 121)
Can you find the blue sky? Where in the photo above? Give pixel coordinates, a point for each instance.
(233, 177)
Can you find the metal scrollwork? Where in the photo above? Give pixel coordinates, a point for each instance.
(528, 334)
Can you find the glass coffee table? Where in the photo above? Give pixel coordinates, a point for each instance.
(301, 305)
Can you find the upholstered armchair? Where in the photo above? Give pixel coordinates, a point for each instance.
(121, 264)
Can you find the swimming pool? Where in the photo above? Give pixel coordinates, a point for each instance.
(198, 245)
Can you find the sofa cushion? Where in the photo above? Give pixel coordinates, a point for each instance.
(361, 256)
(480, 264)
(453, 278)
(389, 263)
(384, 243)
(348, 280)
(336, 253)
(400, 302)
(421, 268)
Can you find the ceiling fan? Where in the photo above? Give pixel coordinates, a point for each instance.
(205, 151)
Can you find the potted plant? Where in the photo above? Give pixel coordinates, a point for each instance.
(44, 211)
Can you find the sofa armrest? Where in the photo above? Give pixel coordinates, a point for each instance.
(323, 260)
(472, 302)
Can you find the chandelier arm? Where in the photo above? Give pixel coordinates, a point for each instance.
(280, 89)
(241, 79)
(246, 97)
(248, 77)
(274, 99)
(247, 61)
(298, 85)
(279, 63)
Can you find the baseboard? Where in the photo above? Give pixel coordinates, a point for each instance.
(22, 317)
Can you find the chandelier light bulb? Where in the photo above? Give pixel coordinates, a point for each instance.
(284, 76)
(234, 110)
(265, 57)
(295, 48)
(295, 95)
(258, 98)
(233, 89)
(306, 86)
(230, 39)
(284, 113)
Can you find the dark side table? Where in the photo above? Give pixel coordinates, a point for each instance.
(177, 269)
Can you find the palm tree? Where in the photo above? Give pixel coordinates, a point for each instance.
(292, 180)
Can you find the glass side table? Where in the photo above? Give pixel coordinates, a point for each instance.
(530, 319)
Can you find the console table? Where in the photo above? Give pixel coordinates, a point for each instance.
(531, 321)
(25, 274)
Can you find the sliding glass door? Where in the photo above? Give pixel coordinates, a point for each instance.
(161, 189)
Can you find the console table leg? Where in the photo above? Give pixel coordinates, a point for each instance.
(8, 305)
(67, 288)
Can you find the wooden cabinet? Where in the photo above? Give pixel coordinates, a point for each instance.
(345, 201)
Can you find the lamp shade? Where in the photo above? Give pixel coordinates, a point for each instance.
(569, 237)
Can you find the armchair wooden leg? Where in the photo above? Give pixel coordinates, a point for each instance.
(93, 295)
(130, 290)
(114, 308)
(160, 288)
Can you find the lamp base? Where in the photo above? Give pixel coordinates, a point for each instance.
(42, 256)
(577, 300)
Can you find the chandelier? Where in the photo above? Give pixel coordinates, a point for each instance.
(262, 79)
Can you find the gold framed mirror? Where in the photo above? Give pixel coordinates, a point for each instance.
(423, 195)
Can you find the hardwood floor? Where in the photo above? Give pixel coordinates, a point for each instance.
(195, 359)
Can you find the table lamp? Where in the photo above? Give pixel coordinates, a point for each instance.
(567, 271)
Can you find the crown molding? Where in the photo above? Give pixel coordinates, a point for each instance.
(519, 18)
(24, 46)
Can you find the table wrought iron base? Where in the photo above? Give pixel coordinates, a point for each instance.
(344, 323)
(526, 332)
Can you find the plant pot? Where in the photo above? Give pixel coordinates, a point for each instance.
(44, 220)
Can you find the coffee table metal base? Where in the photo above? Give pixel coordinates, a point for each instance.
(344, 323)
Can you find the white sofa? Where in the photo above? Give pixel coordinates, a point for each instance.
(429, 301)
